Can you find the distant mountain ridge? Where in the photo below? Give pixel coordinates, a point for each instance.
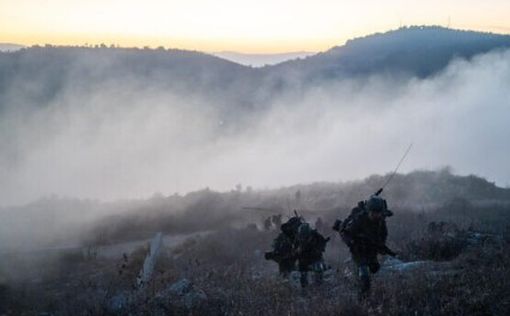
(260, 60)
(9, 47)
(417, 51)
(39, 73)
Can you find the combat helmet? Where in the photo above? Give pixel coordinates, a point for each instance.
(304, 230)
(377, 204)
(290, 228)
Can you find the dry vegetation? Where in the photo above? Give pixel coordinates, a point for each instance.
(228, 275)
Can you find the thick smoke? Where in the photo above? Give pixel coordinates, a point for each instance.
(130, 139)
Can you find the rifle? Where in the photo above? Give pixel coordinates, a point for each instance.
(272, 255)
(385, 250)
(380, 248)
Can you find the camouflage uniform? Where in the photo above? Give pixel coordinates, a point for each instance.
(310, 248)
(284, 246)
(365, 238)
(284, 255)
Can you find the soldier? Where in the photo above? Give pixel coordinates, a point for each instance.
(365, 233)
(276, 220)
(267, 224)
(310, 248)
(283, 254)
(284, 247)
(319, 224)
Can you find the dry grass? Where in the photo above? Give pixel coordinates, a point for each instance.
(228, 266)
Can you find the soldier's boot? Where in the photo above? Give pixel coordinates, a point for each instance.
(286, 271)
(319, 278)
(318, 275)
(364, 282)
(285, 268)
(304, 279)
(283, 271)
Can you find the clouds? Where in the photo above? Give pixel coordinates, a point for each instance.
(130, 139)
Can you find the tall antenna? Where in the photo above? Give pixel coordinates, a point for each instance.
(288, 207)
(396, 169)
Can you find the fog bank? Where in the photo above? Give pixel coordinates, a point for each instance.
(129, 138)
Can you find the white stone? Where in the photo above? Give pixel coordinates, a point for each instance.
(150, 261)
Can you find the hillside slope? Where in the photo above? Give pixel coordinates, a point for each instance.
(416, 51)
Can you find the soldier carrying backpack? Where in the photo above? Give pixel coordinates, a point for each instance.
(365, 233)
(284, 246)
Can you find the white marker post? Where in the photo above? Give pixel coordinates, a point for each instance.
(150, 261)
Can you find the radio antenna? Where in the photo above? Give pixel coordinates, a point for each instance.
(396, 169)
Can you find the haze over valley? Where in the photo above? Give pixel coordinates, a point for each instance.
(111, 123)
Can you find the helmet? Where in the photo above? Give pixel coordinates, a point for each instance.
(379, 205)
(304, 229)
(290, 228)
(376, 204)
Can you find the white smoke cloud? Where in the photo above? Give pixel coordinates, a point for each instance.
(127, 140)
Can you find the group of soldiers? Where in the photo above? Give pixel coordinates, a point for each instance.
(299, 246)
(364, 231)
(273, 221)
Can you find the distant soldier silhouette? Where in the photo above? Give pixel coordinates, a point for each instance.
(365, 233)
(267, 224)
(319, 224)
(277, 220)
(297, 195)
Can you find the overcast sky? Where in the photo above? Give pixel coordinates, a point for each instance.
(240, 25)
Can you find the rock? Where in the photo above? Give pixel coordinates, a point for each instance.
(431, 268)
(407, 266)
(348, 272)
(445, 273)
(181, 287)
(390, 261)
(150, 261)
(186, 292)
(256, 275)
(294, 279)
(329, 276)
(194, 298)
(396, 265)
(479, 239)
(118, 302)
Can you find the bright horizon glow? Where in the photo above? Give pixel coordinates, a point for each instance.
(249, 26)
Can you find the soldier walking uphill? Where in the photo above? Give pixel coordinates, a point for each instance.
(365, 232)
(310, 248)
(284, 246)
(298, 243)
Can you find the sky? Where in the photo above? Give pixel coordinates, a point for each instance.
(249, 26)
